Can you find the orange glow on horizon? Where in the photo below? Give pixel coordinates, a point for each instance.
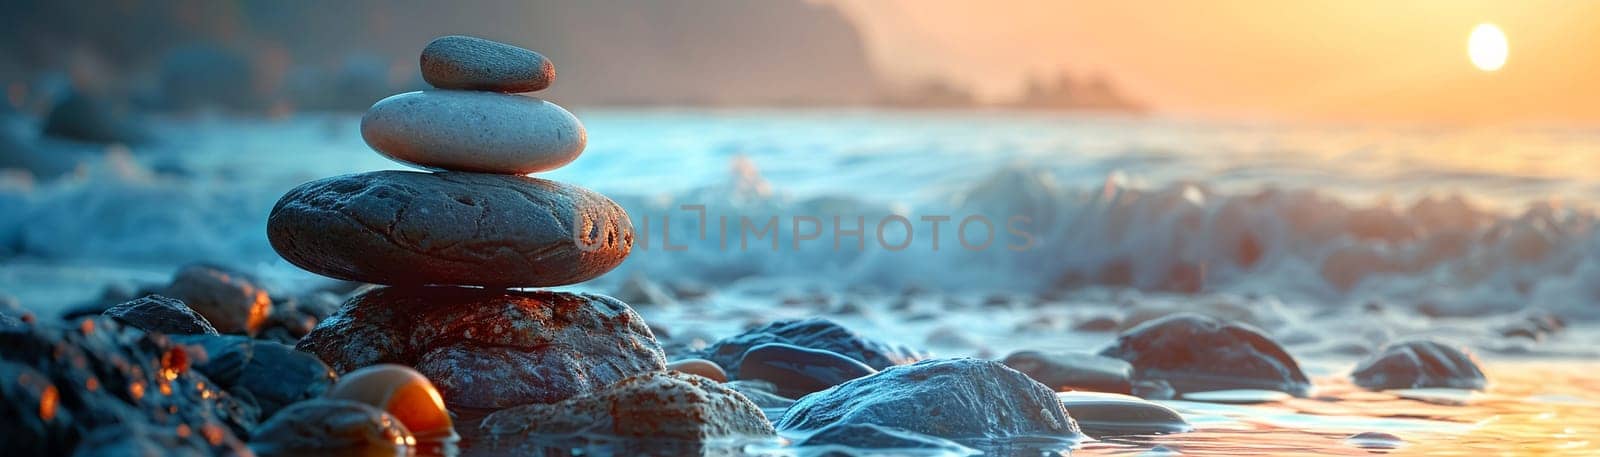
(1363, 60)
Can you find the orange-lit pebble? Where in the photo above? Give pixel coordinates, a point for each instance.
(47, 403)
(213, 433)
(184, 430)
(136, 390)
(701, 367)
(404, 393)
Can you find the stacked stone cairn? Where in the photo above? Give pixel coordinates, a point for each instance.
(458, 246)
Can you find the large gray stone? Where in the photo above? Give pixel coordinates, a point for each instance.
(409, 228)
(470, 63)
(656, 405)
(975, 402)
(487, 349)
(1195, 353)
(1419, 364)
(473, 131)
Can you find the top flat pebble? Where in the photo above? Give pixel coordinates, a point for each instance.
(468, 63)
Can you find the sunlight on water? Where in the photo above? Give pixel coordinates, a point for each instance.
(1531, 408)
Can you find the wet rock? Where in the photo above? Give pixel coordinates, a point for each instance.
(331, 428)
(403, 393)
(970, 401)
(1194, 353)
(699, 367)
(94, 119)
(67, 382)
(135, 439)
(796, 371)
(408, 228)
(273, 374)
(155, 313)
(1073, 371)
(814, 333)
(470, 63)
(491, 349)
(658, 406)
(473, 132)
(228, 299)
(1419, 364)
(1102, 414)
(883, 439)
(1375, 440)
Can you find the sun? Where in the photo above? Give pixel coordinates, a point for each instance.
(1487, 47)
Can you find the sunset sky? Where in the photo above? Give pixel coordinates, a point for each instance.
(1327, 60)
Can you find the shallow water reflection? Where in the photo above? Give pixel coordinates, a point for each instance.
(1532, 408)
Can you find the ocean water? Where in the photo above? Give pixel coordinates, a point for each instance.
(1335, 239)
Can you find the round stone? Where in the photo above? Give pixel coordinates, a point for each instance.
(470, 63)
(473, 131)
(410, 228)
(490, 349)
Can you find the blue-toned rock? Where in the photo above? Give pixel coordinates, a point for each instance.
(814, 333)
(1419, 364)
(1074, 371)
(1195, 353)
(1105, 414)
(65, 383)
(971, 401)
(796, 371)
(155, 313)
(471, 63)
(882, 439)
(274, 374)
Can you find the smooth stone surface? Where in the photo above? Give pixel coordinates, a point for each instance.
(273, 374)
(813, 333)
(655, 406)
(471, 63)
(410, 228)
(473, 131)
(971, 401)
(155, 313)
(1195, 353)
(331, 428)
(1419, 364)
(1074, 371)
(403, 393)
(880, 439)
(491, 349)
(231, 301)
(796, 372)
(699, 367)
(66, 382)
(1105, 414)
